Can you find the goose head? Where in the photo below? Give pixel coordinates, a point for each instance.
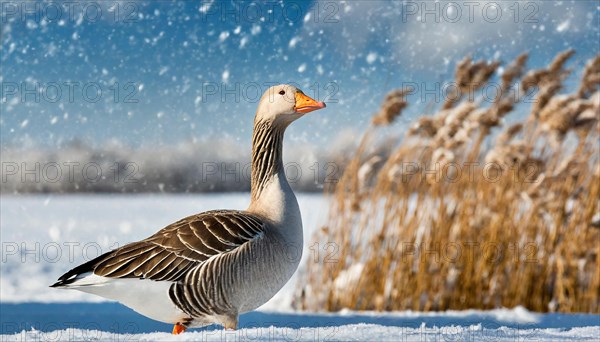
(284, 103)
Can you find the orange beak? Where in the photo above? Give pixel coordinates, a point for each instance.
(305, 104)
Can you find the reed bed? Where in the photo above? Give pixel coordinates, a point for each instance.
(465, 210)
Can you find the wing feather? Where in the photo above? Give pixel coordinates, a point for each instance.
(176, 249)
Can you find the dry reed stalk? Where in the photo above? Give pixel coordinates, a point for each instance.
(513, 72)
(391, 107)
(528, 236)
(591, 78)
(469, 77)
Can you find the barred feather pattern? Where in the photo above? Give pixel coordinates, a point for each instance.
(267, 141)
(173, 250)
(218, 287)
(184, 252)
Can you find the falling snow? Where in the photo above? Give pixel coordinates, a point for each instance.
(563, 26)
(371, 57)
(163, 58)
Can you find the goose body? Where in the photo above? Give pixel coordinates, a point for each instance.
(210, 267)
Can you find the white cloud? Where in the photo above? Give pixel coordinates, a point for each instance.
(436, 31)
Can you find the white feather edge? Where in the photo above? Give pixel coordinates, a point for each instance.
(147, 297)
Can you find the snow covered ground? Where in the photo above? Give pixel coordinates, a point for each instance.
(43, 236)
(112, 322)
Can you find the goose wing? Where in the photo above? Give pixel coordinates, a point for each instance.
(170, 253)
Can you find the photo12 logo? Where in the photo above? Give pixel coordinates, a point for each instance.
(68, 92)
(51, 252)
(71, 331)
(251, 92)
(43, 12)
(259, 12)
(70, 171)
(470, 11)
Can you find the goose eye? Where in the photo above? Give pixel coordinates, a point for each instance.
(282, 92)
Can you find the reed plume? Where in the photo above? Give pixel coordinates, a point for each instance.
(466, 211)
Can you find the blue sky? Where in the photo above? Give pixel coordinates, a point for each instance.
(172, 61)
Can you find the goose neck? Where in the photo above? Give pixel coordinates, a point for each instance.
(267, 141)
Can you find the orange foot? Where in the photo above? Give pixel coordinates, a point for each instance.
(178, 329)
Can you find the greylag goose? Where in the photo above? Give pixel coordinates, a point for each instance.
(210, 267)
